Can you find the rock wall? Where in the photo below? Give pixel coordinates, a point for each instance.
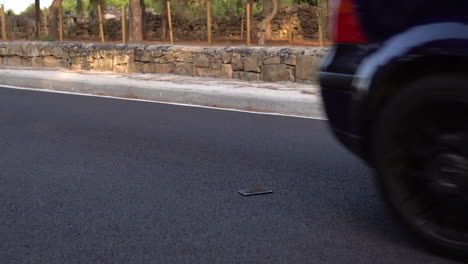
(301, 20)
(246, 63)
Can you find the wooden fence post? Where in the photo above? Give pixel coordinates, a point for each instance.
(291, 27)
(60, 24)
(169, 18)
(4, 29)
(248, 23)
(208, 22)
(124, 26)
(101, 25)
(320, 27)
(46, 22)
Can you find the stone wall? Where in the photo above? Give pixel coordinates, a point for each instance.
(246, 63)
(301, 18)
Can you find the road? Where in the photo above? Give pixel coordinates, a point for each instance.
(98, 180)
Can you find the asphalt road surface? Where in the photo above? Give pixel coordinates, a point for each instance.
(98, 180)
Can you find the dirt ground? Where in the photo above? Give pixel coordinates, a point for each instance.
(234, 41)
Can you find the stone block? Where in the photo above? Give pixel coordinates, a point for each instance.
(275, 73)
(216, 65)
(246, 76)
(292, 74)
(164, 68)
(60, 53)
(26, 62)
(251, 63)
(156, 53)
(33, 51)
(135, 66)
(76, 66)
(236, 62)
(226, 71)
(273, 60)
(121, 59)
(51, 61)
(306, 67)
(12, 60)
(143, 55)
(207, 72)
(46, 51)
(148, 68)
(14, 50)
(184, 69)
(104, 64)
(107, 54)
(216, 55)
(121, 68)
(181, 57)
(226, 57)
(202, 61)
(79, 60)
(290, 60)
(165, 59)
(95, 54)
(82, 65)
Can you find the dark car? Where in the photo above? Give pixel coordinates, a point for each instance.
(395, 89)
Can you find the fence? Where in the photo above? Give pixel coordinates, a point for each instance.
(291, 25)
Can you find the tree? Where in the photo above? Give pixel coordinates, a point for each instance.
(55, 9)
(163, 20)
(266, 9)
(38, 18)
(266, 23)
(79, 6)
(137, 20)
(93, 7)
(322, 14)
(253, 29)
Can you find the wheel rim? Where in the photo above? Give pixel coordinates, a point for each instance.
(427, 162)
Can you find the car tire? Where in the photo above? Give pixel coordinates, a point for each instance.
(419, 148)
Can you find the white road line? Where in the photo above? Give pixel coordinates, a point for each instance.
(158, 102)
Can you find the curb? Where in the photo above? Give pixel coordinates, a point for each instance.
(280, 102)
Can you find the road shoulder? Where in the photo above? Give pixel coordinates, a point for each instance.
(282, 98)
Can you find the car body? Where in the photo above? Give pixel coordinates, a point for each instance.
(395, 89)
(406, 40)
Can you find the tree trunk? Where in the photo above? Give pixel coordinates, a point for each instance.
(53, 18)
(38, 18)
(93, 6)
(137, 20)
(253, 26)
(321, 21)
(266, 9)
(266, 22)
(164, 20)
(79, 6)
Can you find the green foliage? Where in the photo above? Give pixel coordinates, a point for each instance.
(29, 11)
(187, 8)
(93, 6)
(10, 12)
(70, 5)
(117, 3)
(48, 38)
(309, 2)
(156, 5)
(228, 8)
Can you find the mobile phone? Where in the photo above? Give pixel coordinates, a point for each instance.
(256, 191)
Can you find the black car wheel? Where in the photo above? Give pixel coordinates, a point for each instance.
(420, 149)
